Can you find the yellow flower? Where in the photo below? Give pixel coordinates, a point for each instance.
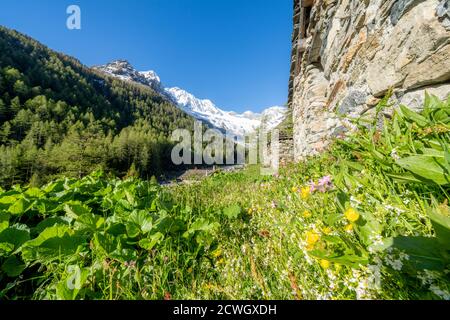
(352, 215)
(327, 230)
(217, 253)
(349, 228)
(250, 210)
(294, 189)
(305, 192)
(312, 238)
(189, 270)
(325, 263)
(307, 214)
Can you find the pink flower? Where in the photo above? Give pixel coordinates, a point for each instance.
(312, 186)
(325, 184)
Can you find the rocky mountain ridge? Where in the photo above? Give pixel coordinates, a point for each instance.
(202, 109)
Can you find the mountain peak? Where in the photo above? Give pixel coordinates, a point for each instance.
(124, 70)
(202, 109)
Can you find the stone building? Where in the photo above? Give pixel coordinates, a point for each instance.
(347, 54)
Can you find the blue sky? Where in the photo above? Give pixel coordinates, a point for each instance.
(234, 52)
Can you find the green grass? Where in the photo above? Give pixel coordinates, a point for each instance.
(377, 227)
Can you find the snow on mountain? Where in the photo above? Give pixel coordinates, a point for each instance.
(202, 109)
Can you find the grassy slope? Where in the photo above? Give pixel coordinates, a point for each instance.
(372, 233)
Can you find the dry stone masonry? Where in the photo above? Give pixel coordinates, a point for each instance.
(347, 54)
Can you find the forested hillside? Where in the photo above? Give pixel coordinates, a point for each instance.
(58, 117)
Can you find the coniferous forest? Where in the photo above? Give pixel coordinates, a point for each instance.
(60, 118)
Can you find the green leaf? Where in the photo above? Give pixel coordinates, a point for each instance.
(348, 259)
(4, 220)
(441, 224)
(50, 222)
(13, 267)
(105, 243)
(15, 235)
(76, 209)
(34, 193)
(89, 221)
(427, 167)
(151, 241)
(413, 116)
(57, 242)
(20, 206)
(70, 287)
(404, 178)
(367, 227)
(202, 225)
(232, 212)
(424, 253)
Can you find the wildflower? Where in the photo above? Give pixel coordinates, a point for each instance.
(349, 228)
(325, 264)
(189, 270)
(294, 189)
(312, 186)
(394, 154)
(217, 253)
(326, 230)
(352, 215)
(324, 184)
(274, 205)
(250, 211)
(305, 192)
(312, 238)
(307, 214)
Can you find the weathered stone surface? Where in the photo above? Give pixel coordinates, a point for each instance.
(355, 51)
(443, 12)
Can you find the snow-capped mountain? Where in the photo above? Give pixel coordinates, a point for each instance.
(202, 109)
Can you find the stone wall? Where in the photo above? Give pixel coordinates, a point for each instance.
(347, 54)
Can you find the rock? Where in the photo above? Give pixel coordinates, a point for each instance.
(443, 12)
(355, 52)
(400, 7)
(353, 100)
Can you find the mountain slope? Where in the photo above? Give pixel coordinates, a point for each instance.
(58, 117)
(202, 109)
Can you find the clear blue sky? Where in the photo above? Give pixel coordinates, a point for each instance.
(234, 52)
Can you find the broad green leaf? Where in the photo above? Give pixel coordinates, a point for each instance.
(16, 235)
(13, 267)
(367, 228)
(50, 222)
(89, 221)
(6, 249)
(429, 168)
(76, 209)
(4, 220)
(232, 212)
(424, 253)
(202, 225)
(70, 287)
(151, 241)
(34, 193)
(20, 206)
(56, 242)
